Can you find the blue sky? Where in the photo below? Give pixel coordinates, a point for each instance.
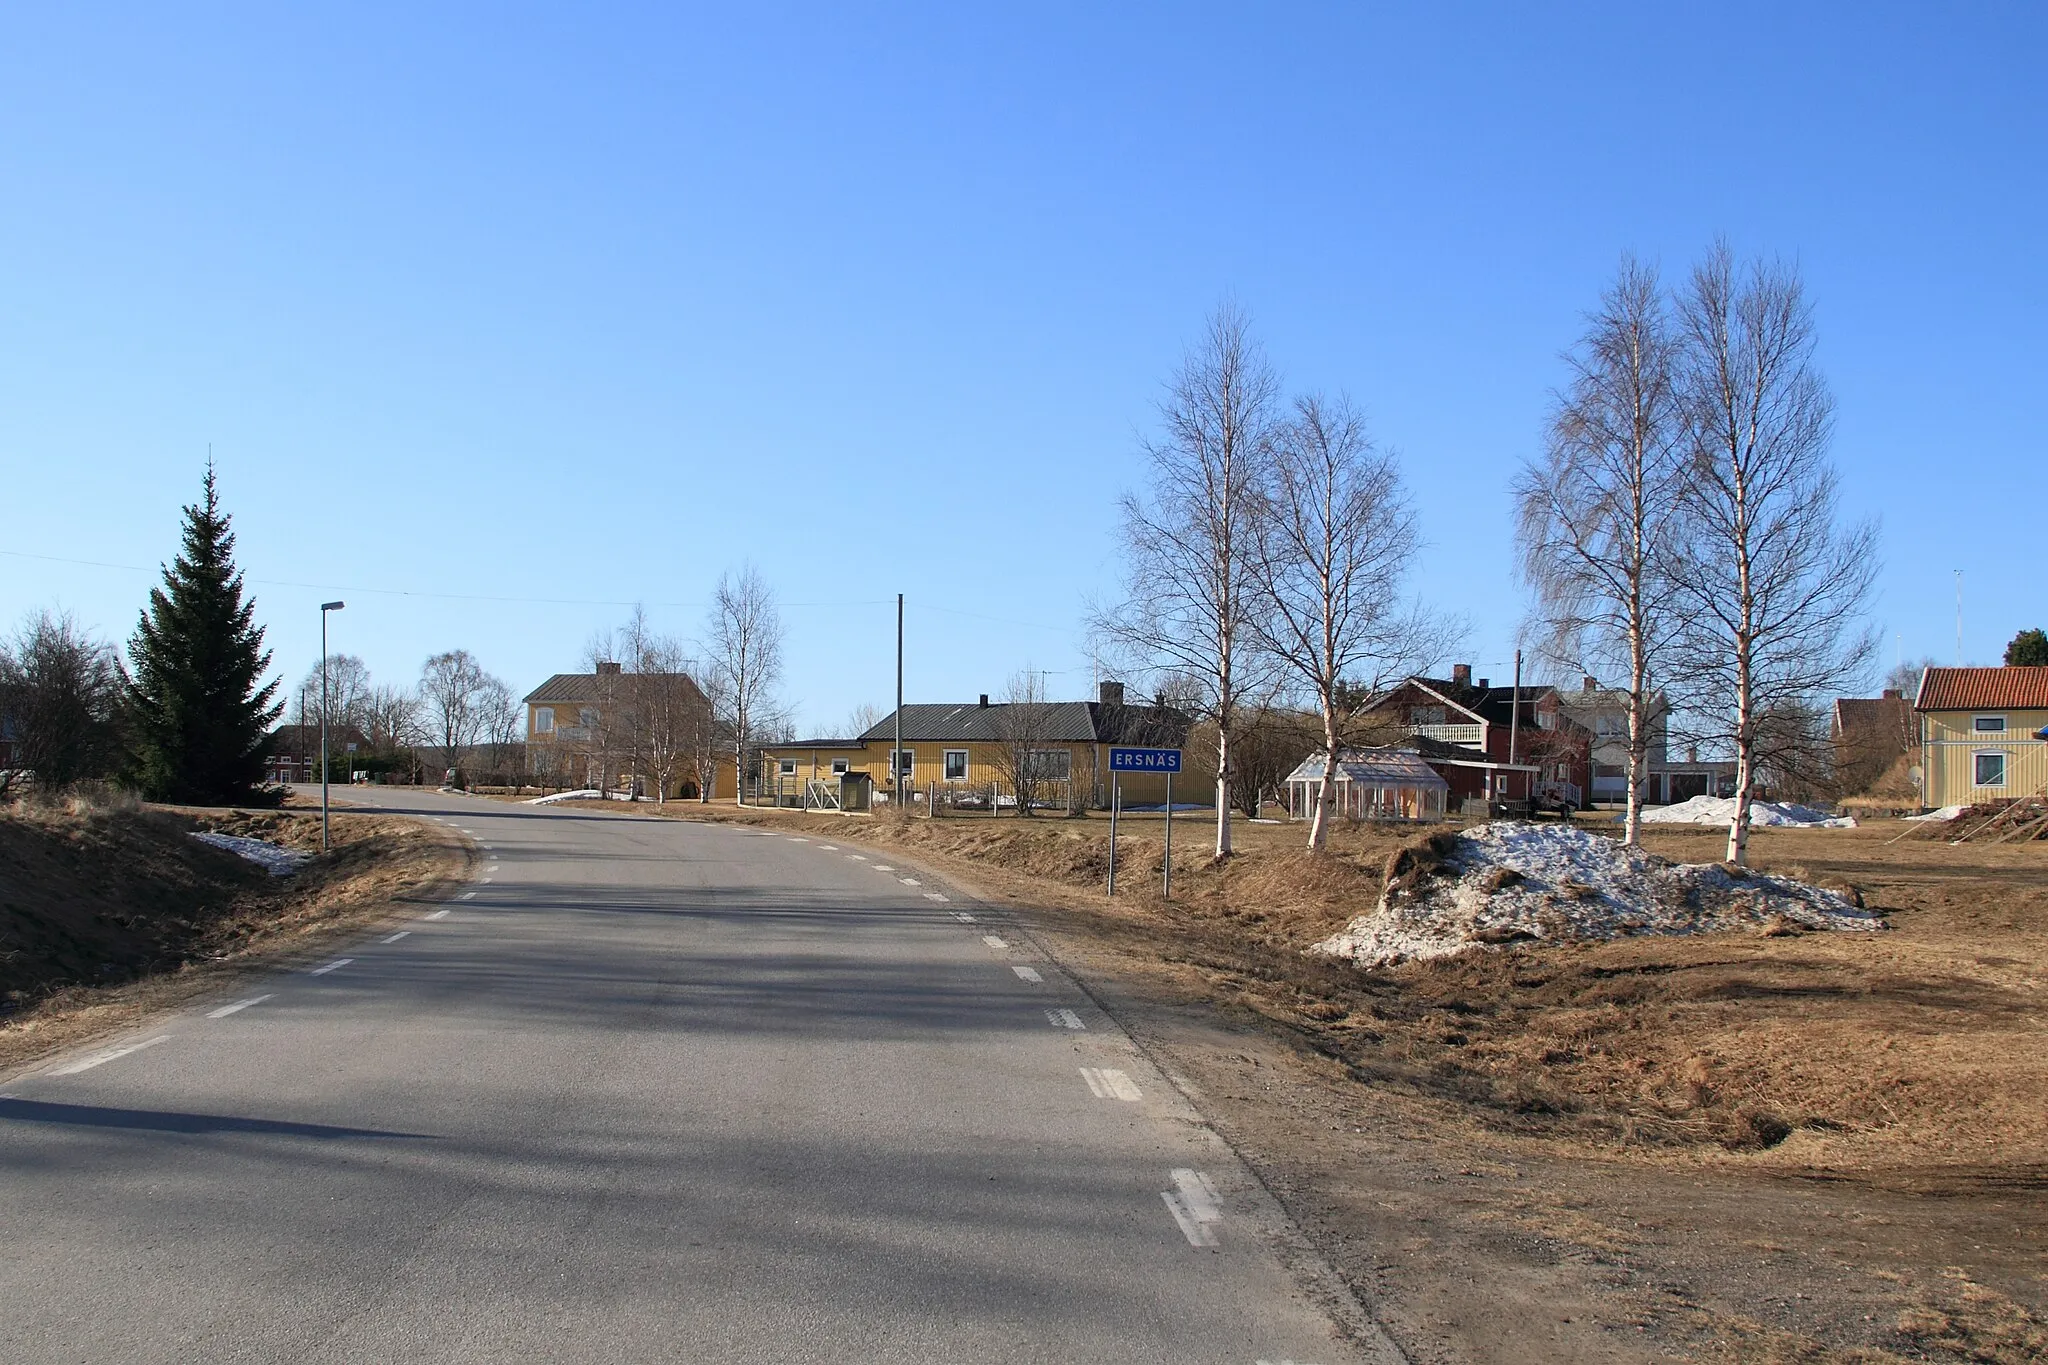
(495, 317)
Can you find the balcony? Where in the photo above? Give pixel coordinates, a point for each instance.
(1470, 736)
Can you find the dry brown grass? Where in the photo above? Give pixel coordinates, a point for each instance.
(109, 911)
(1920, 1053)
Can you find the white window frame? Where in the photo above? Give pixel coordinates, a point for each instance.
(2004, 768)
(786, 766)
(947, 769)
(840, 767)
(543, 720)
(1987, 725)
(902, 763)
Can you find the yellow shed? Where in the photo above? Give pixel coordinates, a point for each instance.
(1983, 734)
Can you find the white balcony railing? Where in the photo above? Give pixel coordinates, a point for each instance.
(1471, 736)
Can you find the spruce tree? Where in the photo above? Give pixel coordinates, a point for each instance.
(199, 709)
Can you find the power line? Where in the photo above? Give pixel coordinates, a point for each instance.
(439, 596)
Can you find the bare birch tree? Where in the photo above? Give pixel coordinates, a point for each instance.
(668, 705)
(1187, 537)
(1023, 729)
(504, 727)
(744, 641)
(705, 740)
(1597, 516)
(1334, 536)
(348, 694)
(452, 690)
(1772, 583)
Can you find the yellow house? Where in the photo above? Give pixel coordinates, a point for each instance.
(1983, 734)
(578, 734)
(965, 755)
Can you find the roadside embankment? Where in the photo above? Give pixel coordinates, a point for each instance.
(109, 908)
(1917, 1048)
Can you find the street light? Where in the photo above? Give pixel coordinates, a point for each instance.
(325, 607)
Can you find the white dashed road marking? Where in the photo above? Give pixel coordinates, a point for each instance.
(1027, 973)
(397, 936)
(1106, 1084)
(910, 881)
(883, 867)
(104, 1055)
(858, 857)
(1064, 1019)
(992, 941)
(798, 839)
(1195, 1206)
(438, 914)
(467, 896)
(828, 848)
(338, 962)
(225, 1010)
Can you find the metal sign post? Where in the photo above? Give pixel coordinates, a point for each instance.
(1166, 866)
(1115, 800)
(1130, 760)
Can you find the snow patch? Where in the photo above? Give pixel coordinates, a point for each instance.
(1511, 881)
(1720, 810)
(586, 794)
(1943, 813)
(278, 860)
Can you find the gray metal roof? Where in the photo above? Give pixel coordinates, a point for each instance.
(1065, 722)
(578, 687)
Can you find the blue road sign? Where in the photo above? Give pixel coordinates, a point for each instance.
(1144, 760)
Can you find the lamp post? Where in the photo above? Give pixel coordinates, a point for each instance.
(325, 607)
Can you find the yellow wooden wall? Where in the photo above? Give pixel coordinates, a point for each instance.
(1948, 757)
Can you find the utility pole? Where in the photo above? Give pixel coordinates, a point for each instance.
(896, 753)
(325, 607)
(1515, 713)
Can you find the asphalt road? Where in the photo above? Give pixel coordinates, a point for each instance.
(648, 1090)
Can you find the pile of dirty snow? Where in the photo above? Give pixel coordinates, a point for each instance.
(278, 860)
(1940, 813)
(1511, 881)
(586, 794)
(1719, 810)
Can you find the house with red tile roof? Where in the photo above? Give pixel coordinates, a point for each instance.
(1983, 733)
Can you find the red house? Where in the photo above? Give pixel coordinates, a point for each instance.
(1492, 743)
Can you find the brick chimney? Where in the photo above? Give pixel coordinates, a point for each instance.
(1461, 674)
(984, 701)
(1110, 693)
(608, 666)
(1893, 694)
(1592, 683)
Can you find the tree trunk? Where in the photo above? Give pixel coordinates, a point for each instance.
(1222, 791)
(1326, 791)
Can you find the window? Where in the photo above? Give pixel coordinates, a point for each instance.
(587, 717)
(786, 766)
(543, 720)
(902, 762)
(956, 765)
(838, 767)
(1990, 769)
(1989, 725)
(1425, 715)
(1048, 765)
